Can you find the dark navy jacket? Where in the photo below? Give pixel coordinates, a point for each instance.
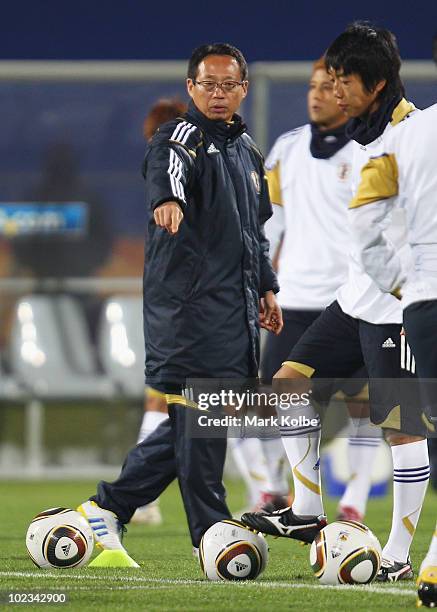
(202, 285)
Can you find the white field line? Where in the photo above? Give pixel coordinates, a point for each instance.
(380, 590)
(131, 587)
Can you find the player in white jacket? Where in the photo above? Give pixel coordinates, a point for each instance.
(364, 324)
(406, 172)
(309, 174)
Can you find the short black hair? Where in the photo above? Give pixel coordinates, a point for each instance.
(369, 51)
(203, 51)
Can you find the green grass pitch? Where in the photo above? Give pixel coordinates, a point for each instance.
(170, 579)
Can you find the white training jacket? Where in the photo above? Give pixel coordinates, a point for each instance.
(310, 199)
(360, 296)
(405, 172)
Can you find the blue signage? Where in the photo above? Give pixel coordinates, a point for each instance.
(19, 219)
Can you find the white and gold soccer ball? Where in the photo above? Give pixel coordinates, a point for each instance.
(59, 537)
(231, 551)
(345, 552)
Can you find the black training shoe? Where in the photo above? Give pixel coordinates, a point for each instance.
(284, 523)
(392, 572)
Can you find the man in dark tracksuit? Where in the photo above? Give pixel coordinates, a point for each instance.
(208, 286)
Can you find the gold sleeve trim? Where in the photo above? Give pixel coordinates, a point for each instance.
(304, 369)
(403, 109)
(171, 398)
(274, 181)
(379, 181)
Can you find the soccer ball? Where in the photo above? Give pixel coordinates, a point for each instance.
(231, 551)
(427, 591)
(345, 552)
(59, 537)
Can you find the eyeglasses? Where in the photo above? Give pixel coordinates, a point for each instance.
(226, 86)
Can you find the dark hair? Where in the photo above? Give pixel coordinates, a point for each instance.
(203, 51)
(164, 109)
(370, 52)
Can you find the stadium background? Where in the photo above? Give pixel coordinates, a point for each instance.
(102, 120)
(78, 80)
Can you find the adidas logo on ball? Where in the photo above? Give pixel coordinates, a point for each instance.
(240, 567)
(231, 551)
(59, 537)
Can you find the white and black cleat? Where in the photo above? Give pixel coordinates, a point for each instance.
(285, 524)
(107, 530)
(393, 571)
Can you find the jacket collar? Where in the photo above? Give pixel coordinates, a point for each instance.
(219, 130)
(325, 144)
(369, 127)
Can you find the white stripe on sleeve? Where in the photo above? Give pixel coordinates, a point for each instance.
(175, 173)
(177, 130)
(187, 134)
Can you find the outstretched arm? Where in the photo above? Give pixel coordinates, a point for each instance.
(168, 168)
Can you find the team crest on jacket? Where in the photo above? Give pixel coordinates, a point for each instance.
(255, 179)
(343, 171)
